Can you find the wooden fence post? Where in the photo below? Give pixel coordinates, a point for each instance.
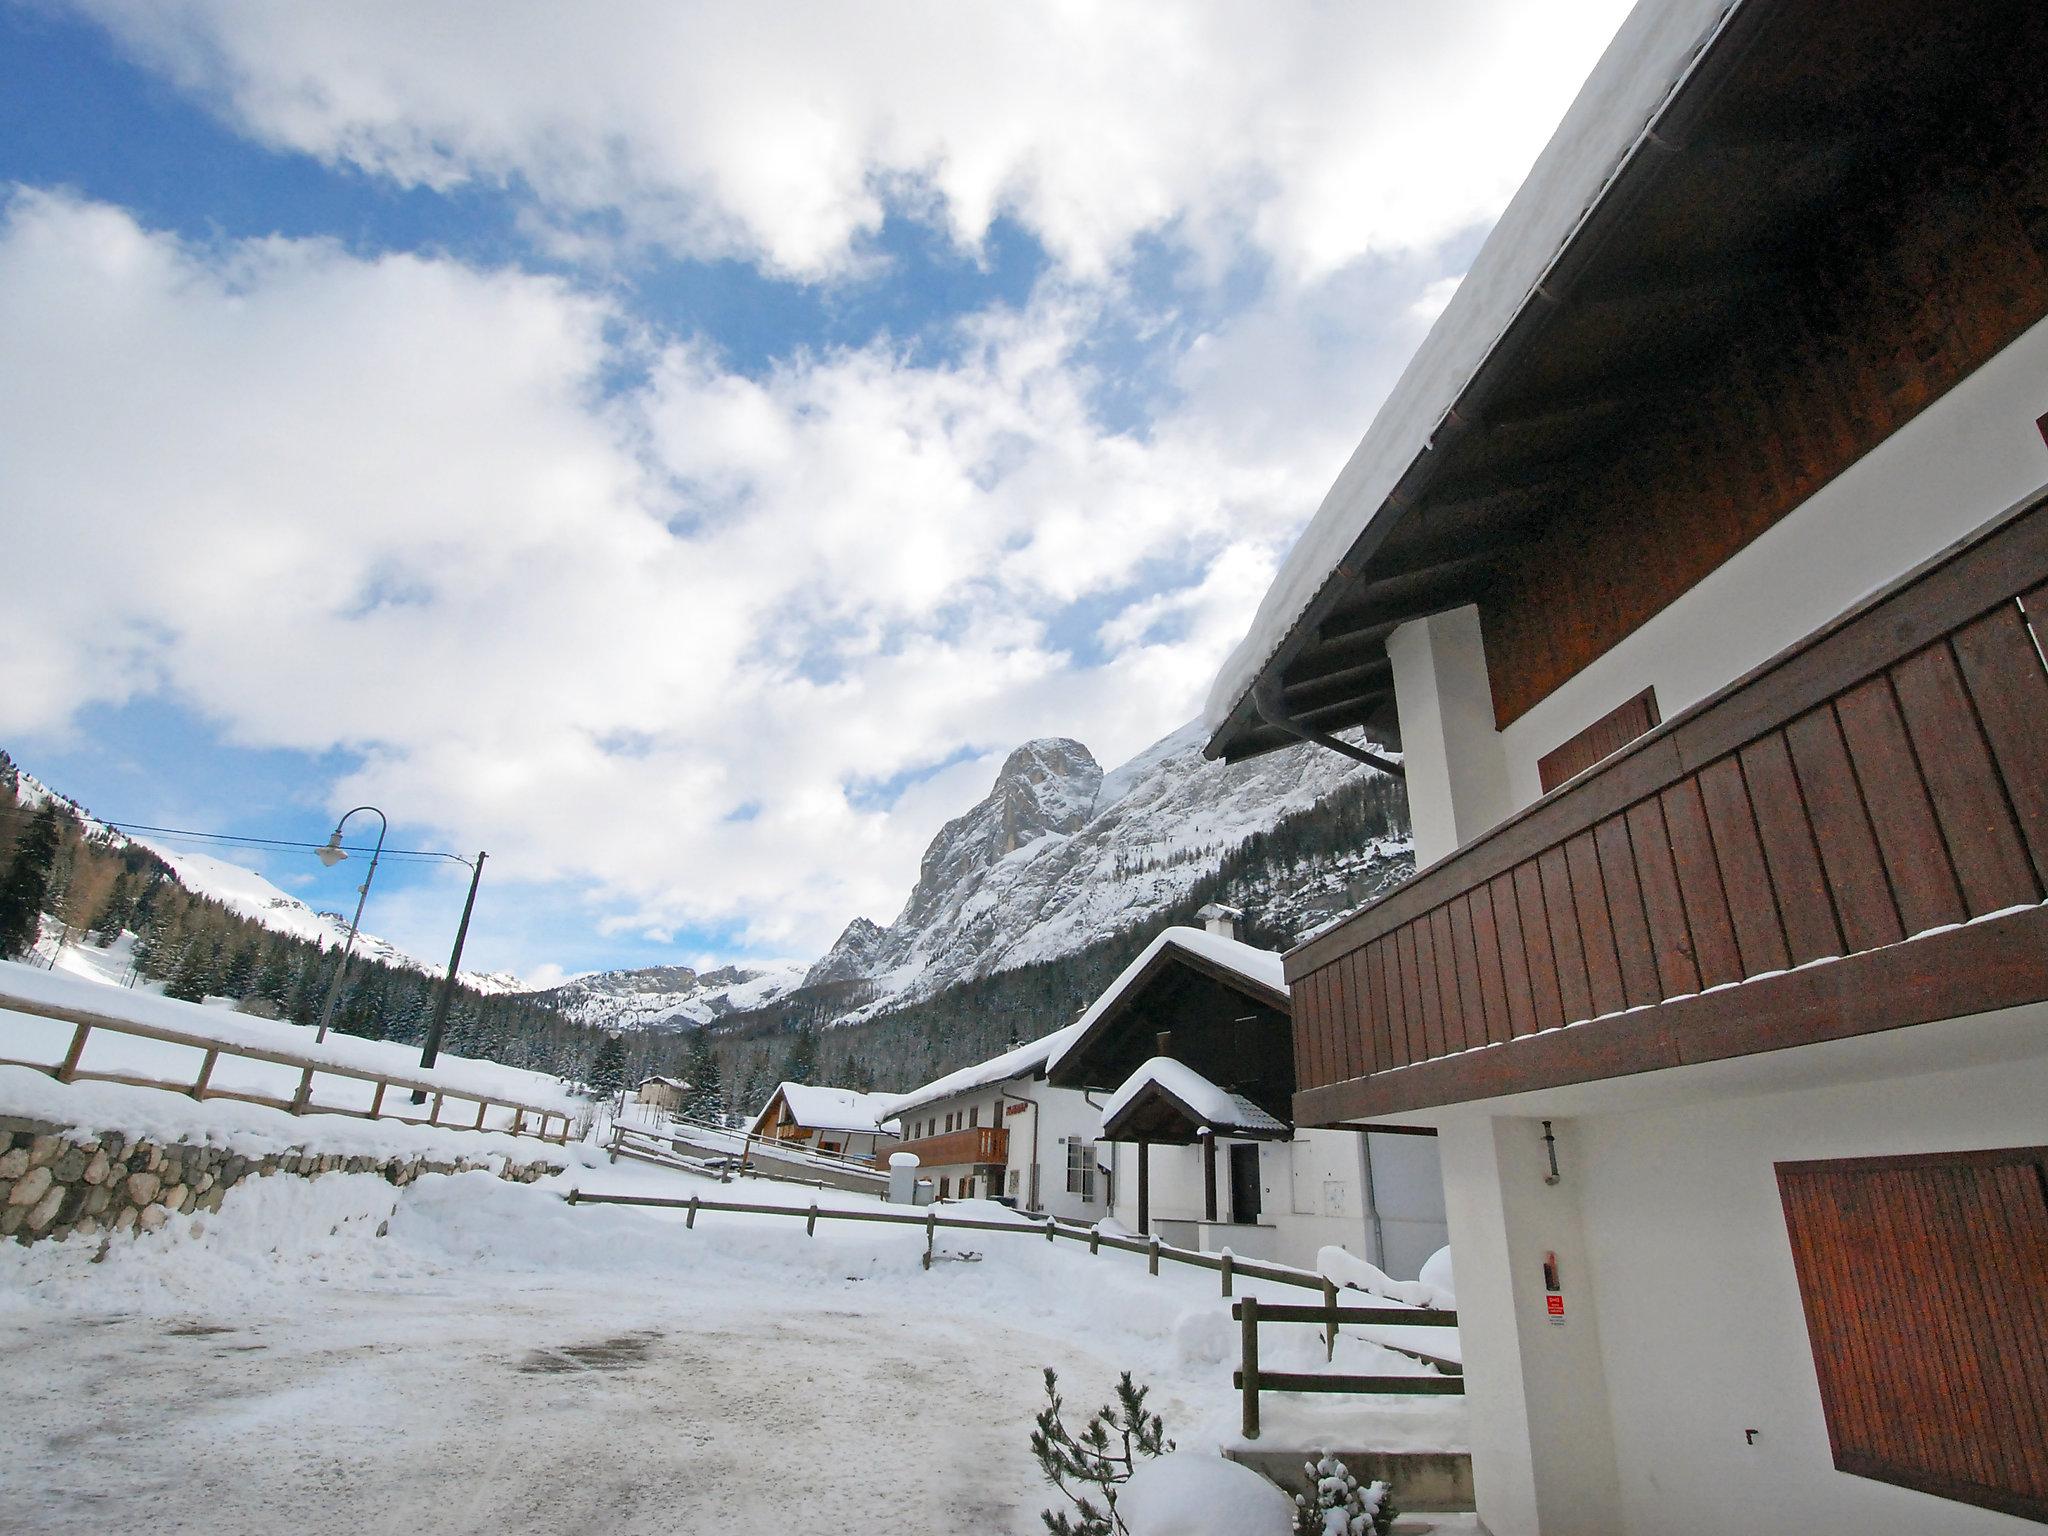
(690, 1221)
(69, 1069)
(205, 1074)
(1249, 1311)
(1330, 1326)
(377, 1099)
(483, 1108)
(1050, 1225)
(1094, 1241)
(811, 1226)
(572, 1197)
(931, 1235)
(1224, 1269)
(1155, 1253)
(435, 1117)
(305, 1094)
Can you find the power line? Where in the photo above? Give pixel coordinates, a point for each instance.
(237, 839)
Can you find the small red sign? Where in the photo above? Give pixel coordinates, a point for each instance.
(1015, 1109)
(1554, 1305)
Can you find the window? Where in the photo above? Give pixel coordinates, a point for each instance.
(1081, 1168)
(946, 1187)
(974, 1116)
(1920, 1278)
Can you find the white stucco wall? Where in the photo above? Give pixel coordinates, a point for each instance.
(1684, 1325)
(1452, 762)
(1965, 459)
(1312, 1195)
(1064, 1115)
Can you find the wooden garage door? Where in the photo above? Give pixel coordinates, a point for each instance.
(1925, 1283)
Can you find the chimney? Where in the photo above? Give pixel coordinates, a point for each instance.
(1220, 920)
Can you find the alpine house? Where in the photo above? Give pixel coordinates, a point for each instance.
(1698, 568)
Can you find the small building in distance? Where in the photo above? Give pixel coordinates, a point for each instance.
(662, 1092)
(836, 1121)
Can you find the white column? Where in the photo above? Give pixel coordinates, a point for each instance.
(1456, 770)
(1536, 1390)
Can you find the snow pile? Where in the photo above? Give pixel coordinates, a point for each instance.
(1193, 1493)
(1210, 1105)
(1433, 1289)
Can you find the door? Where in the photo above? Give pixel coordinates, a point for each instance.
(1244, 1184)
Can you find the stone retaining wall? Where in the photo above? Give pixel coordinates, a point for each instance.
(59, 1180)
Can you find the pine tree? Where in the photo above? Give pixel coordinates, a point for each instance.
(706, 1099)
(608, 1066)
(801, 1064)
(194, 975)
(22, 893)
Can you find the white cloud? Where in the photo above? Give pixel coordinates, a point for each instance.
(650, 645)
(1315, 133)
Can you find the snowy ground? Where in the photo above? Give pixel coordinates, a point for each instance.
(501, 1361)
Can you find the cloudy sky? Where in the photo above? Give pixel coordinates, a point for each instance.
(680, 449)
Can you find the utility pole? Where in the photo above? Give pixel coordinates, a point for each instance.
(440, 1021)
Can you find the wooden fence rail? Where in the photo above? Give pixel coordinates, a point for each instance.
(84, 1022)
(1251, 1380)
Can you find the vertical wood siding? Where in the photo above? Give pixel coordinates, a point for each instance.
(1911, 795)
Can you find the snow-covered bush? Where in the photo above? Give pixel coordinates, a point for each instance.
(1101, 1457)
(1339, 1506)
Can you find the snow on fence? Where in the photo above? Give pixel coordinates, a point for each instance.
(85, 1021)
(744, 1151)
(1251, 1381)
(1248, 1378)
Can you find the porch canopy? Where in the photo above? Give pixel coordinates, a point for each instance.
(1169, 1101)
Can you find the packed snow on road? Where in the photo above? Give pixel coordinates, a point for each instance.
(464, 1354)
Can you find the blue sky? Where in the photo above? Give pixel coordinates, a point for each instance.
(683, 457)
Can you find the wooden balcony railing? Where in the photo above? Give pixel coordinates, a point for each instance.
(1885, 778)
(954, 1149)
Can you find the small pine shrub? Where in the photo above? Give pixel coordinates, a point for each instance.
(1339, 1506)
(1101, 1457)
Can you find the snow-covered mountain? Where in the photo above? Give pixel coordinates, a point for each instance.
(1060, 855)
(244, 891)
(674, 996)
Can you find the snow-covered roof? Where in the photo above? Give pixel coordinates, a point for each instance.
(1650, 56)
(1019, 1061)
(1261, 966)
(832, 1109)
(677, 1083)
(1217, 1108)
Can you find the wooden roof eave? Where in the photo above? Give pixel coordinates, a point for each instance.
(1153, 1096)
(1068, 1072)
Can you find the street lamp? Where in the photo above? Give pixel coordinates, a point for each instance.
(332, 855)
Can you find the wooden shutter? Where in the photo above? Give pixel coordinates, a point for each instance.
(1925, 1284)
(1603, 738)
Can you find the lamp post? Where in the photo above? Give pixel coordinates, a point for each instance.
(332, 855)
(432, 1052)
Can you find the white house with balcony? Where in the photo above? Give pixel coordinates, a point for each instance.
(1697, 567)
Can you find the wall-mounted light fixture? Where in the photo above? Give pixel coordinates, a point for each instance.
(1550, 1149)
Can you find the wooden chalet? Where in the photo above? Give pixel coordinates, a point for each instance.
(1193, 1047)
(835, 1121)
(1698, 570)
